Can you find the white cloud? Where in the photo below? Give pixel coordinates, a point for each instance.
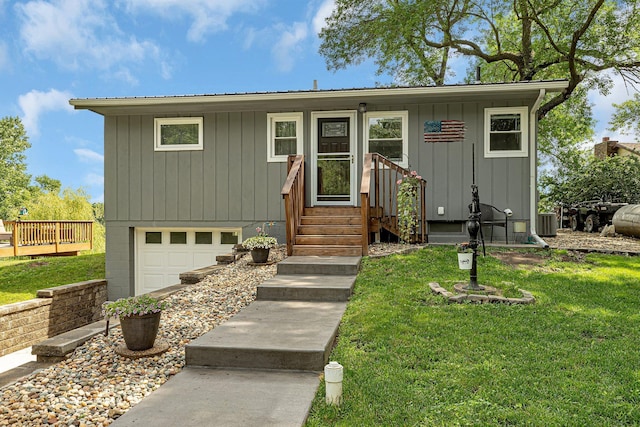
(78, 33)
(208, 16)
(88, 156)
(34, 103)
(4, 56)
(94, 179)
(322, 14)
(289, 45)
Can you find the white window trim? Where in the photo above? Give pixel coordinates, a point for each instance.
(158, 122)
(283, 117)
(524, 132)
(404, 115)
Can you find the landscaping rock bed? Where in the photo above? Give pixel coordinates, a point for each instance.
(578, 240)
(95, 385)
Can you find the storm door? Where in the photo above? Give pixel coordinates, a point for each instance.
(333, 162)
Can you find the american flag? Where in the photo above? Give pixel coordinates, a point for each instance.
(444, 131)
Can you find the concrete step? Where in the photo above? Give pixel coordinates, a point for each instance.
(291, 335)
(227, 397)
(329, 240)
(320, 265)
(306, 288)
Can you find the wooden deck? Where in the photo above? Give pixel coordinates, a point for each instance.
(46, 238)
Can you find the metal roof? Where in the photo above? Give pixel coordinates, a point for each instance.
(147, 104)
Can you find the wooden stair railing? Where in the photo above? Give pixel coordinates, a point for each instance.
(293, 192)
(382, 210)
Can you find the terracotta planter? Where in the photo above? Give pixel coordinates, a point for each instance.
(140, 332)
(465, 260)
(260, 255)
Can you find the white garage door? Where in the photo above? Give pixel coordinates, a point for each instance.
(162, 254)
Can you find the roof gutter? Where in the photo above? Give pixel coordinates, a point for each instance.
(533, 169)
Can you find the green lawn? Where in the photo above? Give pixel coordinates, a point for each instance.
(21, 278)
(572, 359)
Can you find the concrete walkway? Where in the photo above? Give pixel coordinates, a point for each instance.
(262, 367)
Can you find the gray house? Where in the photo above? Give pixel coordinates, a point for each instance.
(187, 177)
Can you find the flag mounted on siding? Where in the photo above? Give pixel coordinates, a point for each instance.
(444, 131)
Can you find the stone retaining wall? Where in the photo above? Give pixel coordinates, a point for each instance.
(56, 310)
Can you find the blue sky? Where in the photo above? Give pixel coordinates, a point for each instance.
(51, 51)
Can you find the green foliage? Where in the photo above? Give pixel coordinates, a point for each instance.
(565, 130)
(49, 184)
(133, 306)
(520, 40)
(72, 205)
(410, 358)
(21, 278)
(14, 180)
(627, 116)
(611, 179)
(407, 199)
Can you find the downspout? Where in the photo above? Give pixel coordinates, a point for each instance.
(533, 169)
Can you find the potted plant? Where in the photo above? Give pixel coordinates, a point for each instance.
(260, 245)
(139, 319)
(465, 256)
(408, 206)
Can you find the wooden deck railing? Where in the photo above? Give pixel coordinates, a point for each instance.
(47, 237)
(293, 195)
(382, 210)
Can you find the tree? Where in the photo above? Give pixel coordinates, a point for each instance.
(561, 139)
(14, 180)
(49, 184)
(521, 39)
(627, 116)
(614, 179)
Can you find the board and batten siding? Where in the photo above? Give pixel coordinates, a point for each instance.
(227, 184)
(448, 166)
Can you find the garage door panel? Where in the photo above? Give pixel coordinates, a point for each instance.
(178, 259)
(154, 259)
(203, 259)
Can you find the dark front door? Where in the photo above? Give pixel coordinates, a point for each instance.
(334, 158)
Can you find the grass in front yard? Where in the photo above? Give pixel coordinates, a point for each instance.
(21, 278)
(410, 358)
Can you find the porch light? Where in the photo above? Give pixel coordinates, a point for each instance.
(362, 108)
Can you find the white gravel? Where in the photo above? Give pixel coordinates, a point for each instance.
(95, 385)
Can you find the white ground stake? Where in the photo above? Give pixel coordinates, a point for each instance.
(333, 383)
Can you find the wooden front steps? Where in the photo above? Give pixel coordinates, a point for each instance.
(329, 231)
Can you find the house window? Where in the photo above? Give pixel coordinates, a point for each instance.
(178, 133)
(284, 134)
(387, 133)
(506, 132)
